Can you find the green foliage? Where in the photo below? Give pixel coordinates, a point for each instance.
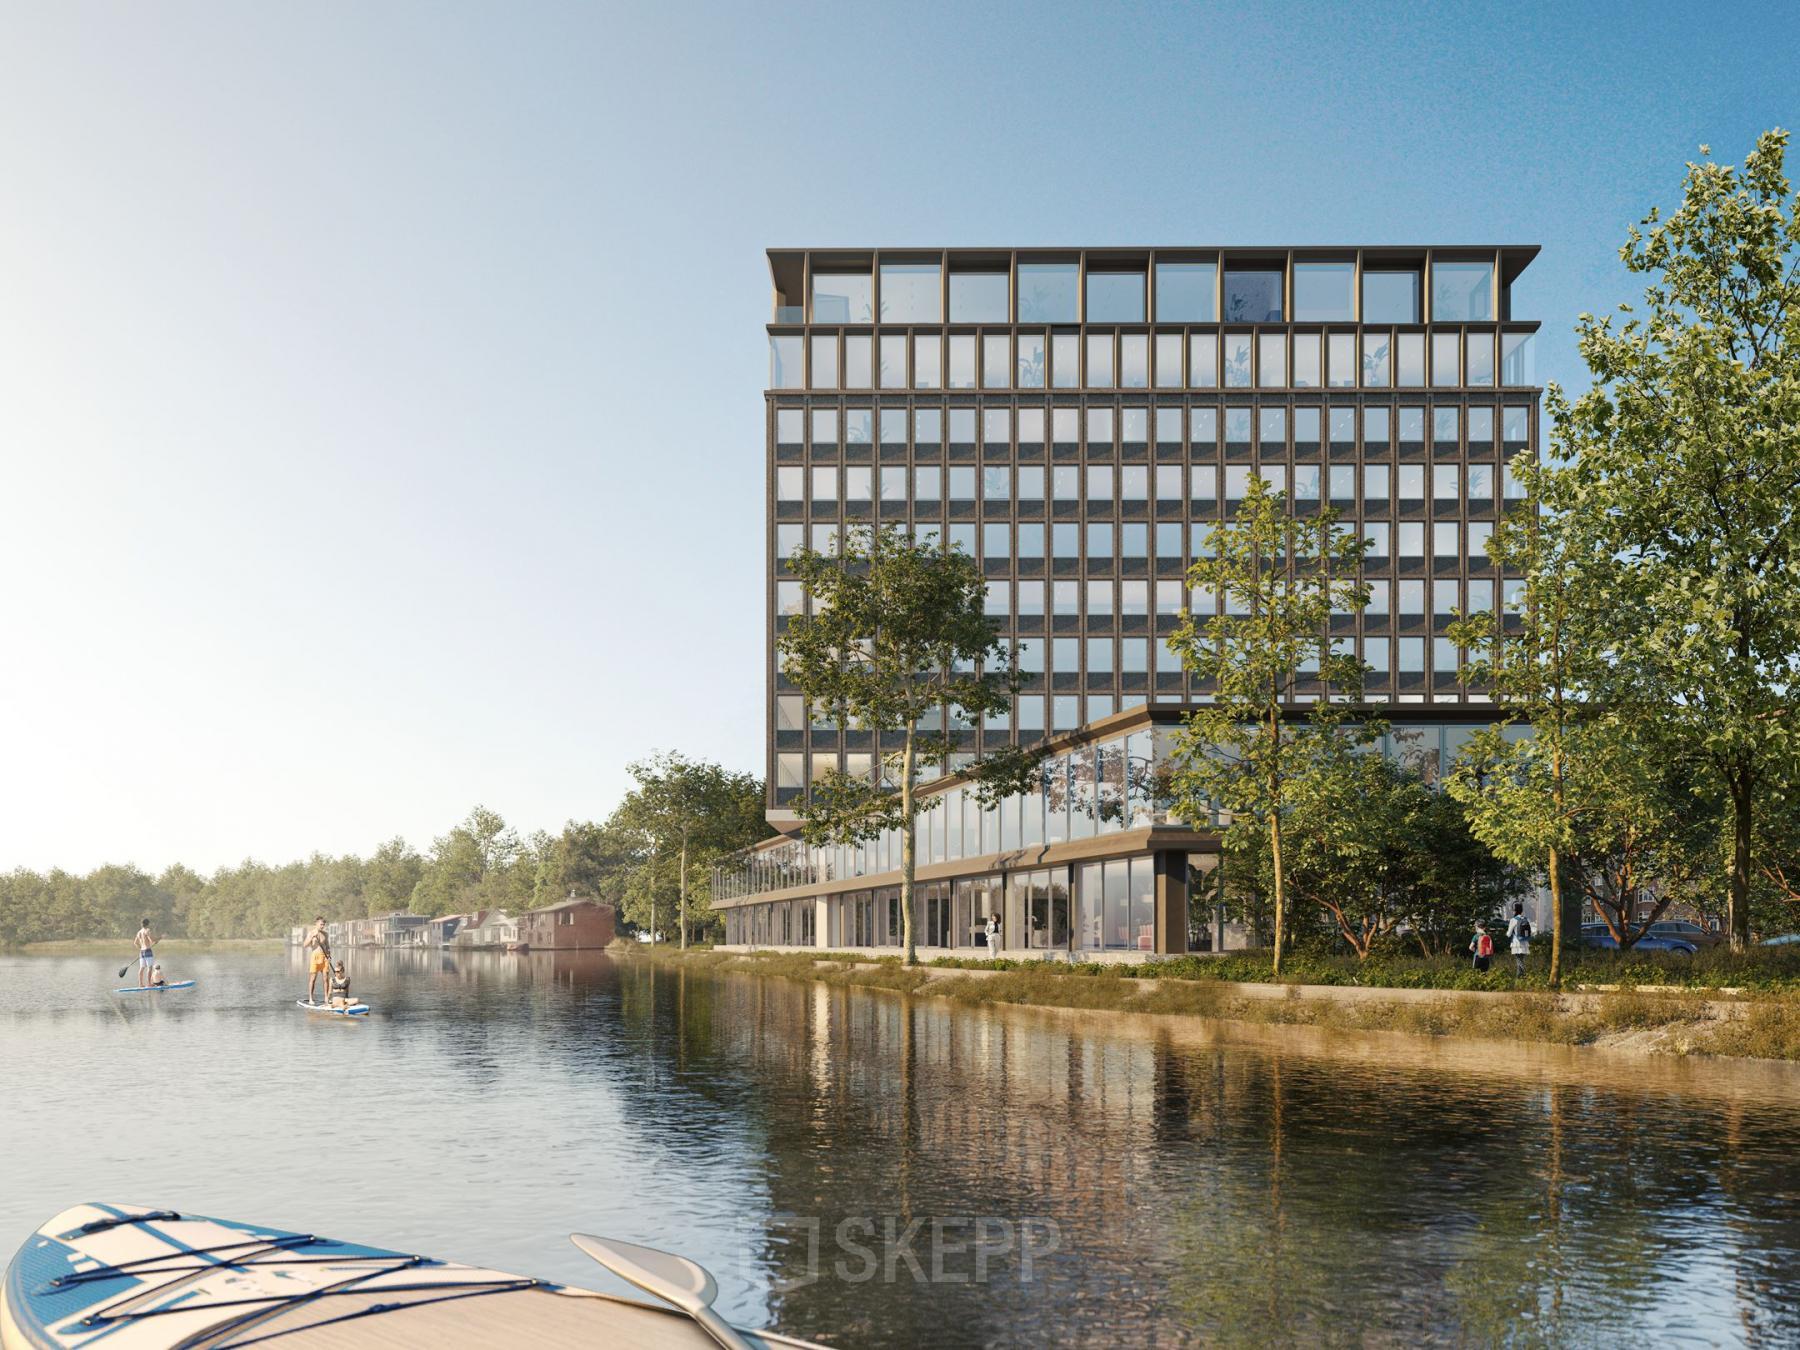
(1279, 577)
(1683, 463)
(898, 642)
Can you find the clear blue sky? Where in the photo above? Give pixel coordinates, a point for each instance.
(380, 383)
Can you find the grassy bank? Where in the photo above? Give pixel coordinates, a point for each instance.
(1689, 1021)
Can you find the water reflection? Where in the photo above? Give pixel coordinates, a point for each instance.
(867, 1169)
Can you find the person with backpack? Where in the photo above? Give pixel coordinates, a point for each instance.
(1518, 928)
(1482, 944)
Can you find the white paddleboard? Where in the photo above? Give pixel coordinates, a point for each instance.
(155, 988)
(354, 1010)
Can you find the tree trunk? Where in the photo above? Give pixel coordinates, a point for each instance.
(1557, 923)
(683, 892)
(1275, 840)
(1738, 901)
(908, 829)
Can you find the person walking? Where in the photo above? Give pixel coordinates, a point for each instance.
(318, 943)
(1482, 945)
(1518, 929)
(993, 935)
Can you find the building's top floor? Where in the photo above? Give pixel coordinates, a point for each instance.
(1385, 285)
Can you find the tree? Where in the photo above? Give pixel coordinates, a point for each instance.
(1535, 659)
(1685, 454)
(691, 813)
(1279, 578)
(898, 643)
(469, 867)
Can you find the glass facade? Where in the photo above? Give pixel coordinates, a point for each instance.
(1079, 427)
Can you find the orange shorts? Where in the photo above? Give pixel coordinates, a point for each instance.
(319, 961)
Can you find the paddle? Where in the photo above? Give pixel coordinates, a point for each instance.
(674, 1279)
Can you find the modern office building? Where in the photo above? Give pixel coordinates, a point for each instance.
(1078, 420)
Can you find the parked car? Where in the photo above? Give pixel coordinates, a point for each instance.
(1601, 940)
(1684, 931)
(1784, 940)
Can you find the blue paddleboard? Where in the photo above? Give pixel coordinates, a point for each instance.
(354, 1010)
(155, 988)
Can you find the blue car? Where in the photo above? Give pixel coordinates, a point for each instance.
(1602, 940)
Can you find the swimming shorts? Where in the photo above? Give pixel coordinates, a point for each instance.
(146, 957)
(319, 961)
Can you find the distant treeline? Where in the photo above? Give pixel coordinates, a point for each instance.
(481, 863)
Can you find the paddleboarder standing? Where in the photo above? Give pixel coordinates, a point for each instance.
(146, 945)
(318, 943)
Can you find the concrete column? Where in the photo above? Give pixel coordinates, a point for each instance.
(1171, 903)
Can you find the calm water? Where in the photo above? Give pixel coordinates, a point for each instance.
(1124, 1182)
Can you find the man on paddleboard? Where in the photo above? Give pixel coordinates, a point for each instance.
(318, 945)
(146, 945)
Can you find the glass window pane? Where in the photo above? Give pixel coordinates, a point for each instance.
(909, 293)
(1115, 297)
(928, 361)
(1323, 292)
(962, 361)
(891, 359)
(842, 297)
(1518, 363)
(1100, 360)
(1134, 361)
(785, 365)
(824, 361)
(1237, 360)
(1480, 369)
(1271, 360)
(1031, 362)
(1444, 371)
(1065, 360)
(1409, 360)
(1185, 292)
(1253, 297)
(1390, 297)
(1168, 361)
(1375, 360)
(1341, 366)
(1203, 360)
(996, 361)
(1308, 369)
(858, 362)
(978, 297)
(1462, 292)
(1048, 293)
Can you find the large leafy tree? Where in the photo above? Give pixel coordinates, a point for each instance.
(1279, 577)
(897, 642)
(687, 814)
(1685, 457)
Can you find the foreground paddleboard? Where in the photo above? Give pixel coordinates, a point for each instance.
(137, 1278)
(354, 1010)
(155, 988)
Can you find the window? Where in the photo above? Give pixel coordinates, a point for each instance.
(1237, 428)
(789, 426)
(1444, 484)
(1412, 655)
(1480, 365)
(788, 538)
(1462, 292)
(962, 426)
(1306, 482)
(1099, 482)
(1308, 371)
(1411, 479)
(859, 425)
(1444, 370)
(996, 361)
(909, 293)
(1481, 428)
(1100, 426)
(790, 483)
(1378, 598)
(1446, 540)
(893, 484)
(1031, 483)
(1444, 428)
(1376, 532)
(1375, 360)
(1410, 537)
(858, 368)
(1031, 426)
(1271, 430)
(1340, 360)
(1168, 426)
(1253, 296)
(1375, 482)
(928, 361)
(824, 361)
(962, 483)
(1134, 361)
(1237, 360)
(1481, 532)
(1409, 360)
(927, 482)
(1390, 297)
(1048, 293)
(1306, 426)
(1099, 541)
(1065, 360)
(1115, 297)
(1412, 598)
(1031, 597)
(1376, 428)
(1518, 358)
(1203, 361)
(996, 483)
(1134, 483)
(978, 297)
(858, 483)
(824, 483)
(1204, 429)
(962, 361)
(892, 353)
(1099, 598)
(1185, 292)
(1099, 656)
(1271, 360)
(1100, 360)
(1444, 657)
(1031, 363)
(1343, 482)
(842, 297)
(1168, 361)
(1323, 292)
(824, 428)
(928, 427)
(785, 362)
(1031, 545)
